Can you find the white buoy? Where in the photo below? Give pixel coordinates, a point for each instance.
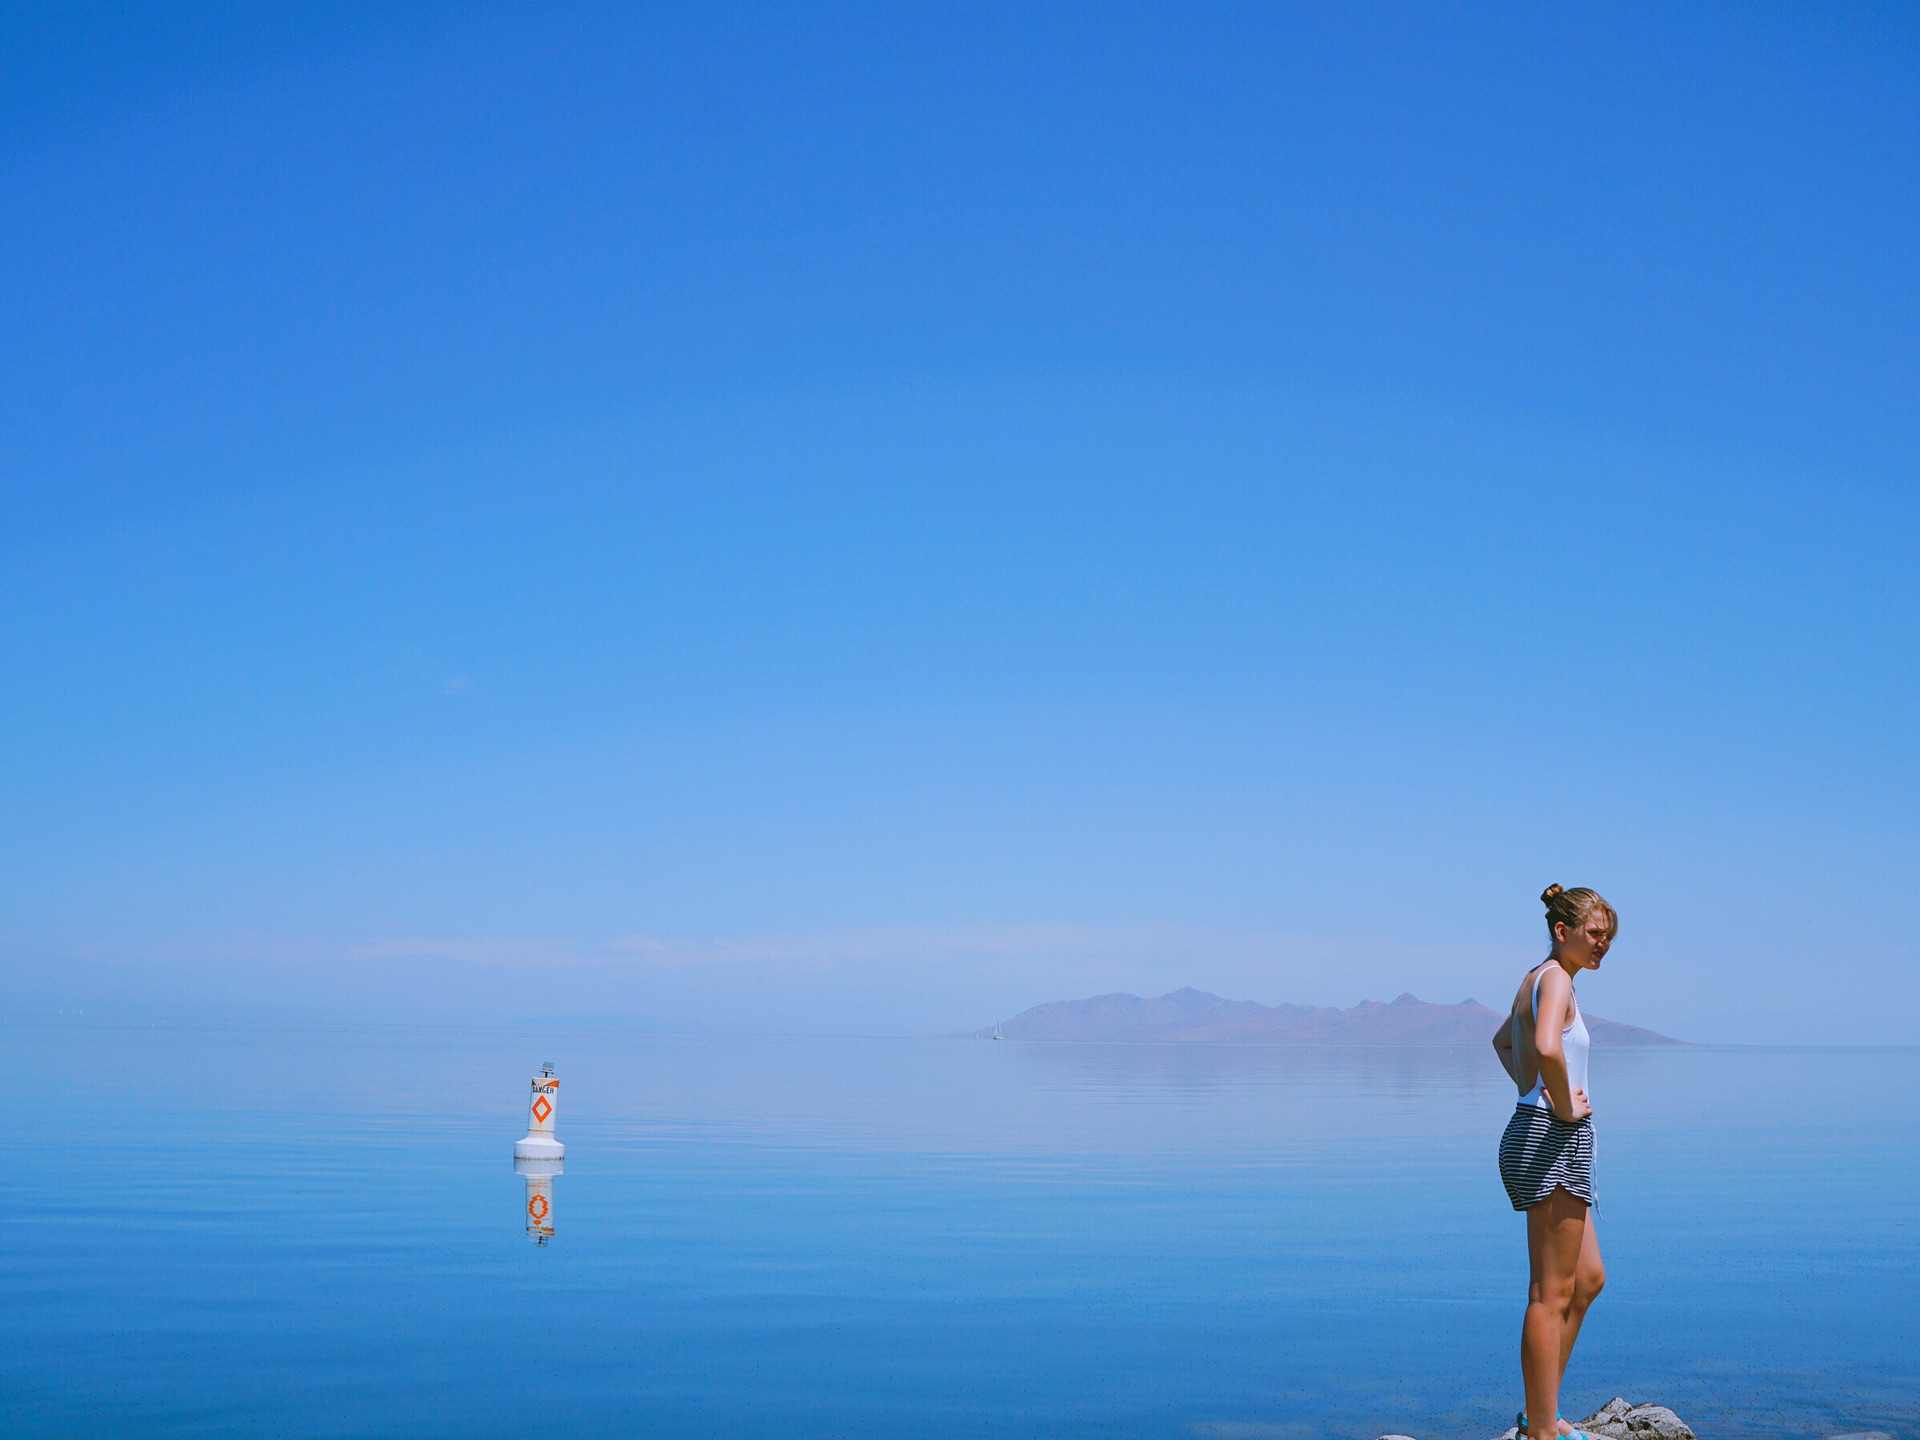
(539, 1175)
(538, 1143)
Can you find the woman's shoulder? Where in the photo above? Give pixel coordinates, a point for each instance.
(1556, 995)
(1553, 981)
(1544, 980)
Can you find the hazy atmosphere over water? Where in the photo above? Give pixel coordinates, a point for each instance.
(845, 518)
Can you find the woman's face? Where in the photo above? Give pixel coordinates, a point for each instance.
(1584, 944)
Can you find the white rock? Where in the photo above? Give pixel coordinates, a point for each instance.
(1620, 1420)
(1658, 1422)
(1610, 1420)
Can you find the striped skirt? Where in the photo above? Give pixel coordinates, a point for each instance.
(1540, 1152)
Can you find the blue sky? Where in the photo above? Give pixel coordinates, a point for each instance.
(848, 517)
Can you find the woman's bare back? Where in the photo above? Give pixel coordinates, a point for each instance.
(1526, 1054)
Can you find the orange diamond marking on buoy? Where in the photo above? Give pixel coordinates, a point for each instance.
(537, 1207)
(541, 1109)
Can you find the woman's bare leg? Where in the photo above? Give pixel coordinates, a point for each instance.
(1589, 1278)
(1556, 1234)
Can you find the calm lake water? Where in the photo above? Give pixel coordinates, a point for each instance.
(320, 1233)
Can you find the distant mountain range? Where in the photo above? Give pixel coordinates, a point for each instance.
(1195, 1016)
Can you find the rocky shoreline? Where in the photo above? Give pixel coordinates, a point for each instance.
(1618, 1420)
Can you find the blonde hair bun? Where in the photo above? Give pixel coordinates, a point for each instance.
(1572, 907)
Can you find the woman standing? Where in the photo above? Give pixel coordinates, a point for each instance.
(1546, 1154)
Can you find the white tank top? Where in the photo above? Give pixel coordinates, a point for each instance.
(1574, 1043)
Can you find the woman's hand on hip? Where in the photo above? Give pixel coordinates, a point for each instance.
(1581, 1109)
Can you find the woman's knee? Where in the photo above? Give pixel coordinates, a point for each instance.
(1588, 1282)
(1559, 1293)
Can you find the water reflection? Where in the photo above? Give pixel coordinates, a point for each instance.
(540, 1175)
(1197, 1069)
(968, 1238)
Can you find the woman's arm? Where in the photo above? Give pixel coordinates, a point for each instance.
(1503, 1048)
(1556, 993)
